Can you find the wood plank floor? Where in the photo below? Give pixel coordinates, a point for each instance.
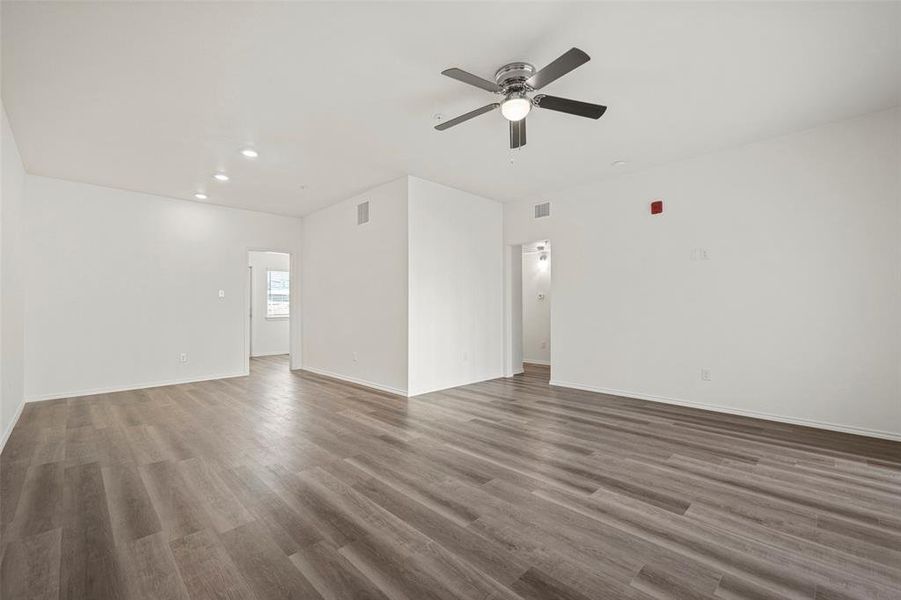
(289, 485)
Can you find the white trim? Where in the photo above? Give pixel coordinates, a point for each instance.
(356, 380)
(886, 435)
(128, 388)
(12, 425)
(533, 361)
(276, 353)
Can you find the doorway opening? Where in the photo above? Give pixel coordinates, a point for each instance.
(536, 310)
(268, 339)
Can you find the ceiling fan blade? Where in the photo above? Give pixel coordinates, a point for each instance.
(573, 107)
(518, 133)
(461, 75)
(471, 114)
(562, 65)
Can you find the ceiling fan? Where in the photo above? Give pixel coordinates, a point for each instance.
(515, 81)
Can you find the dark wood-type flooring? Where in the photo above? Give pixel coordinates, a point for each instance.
(291, 485)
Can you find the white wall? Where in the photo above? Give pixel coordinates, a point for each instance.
(513, 310)
(268, 336)
(456, 287)
(121, 283)
(536, 313)
(12, 285)
(411, 301)
(796, 312)
(354, 290)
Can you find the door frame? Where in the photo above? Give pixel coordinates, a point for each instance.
(513, 325)
(294, 318)
(249, 312)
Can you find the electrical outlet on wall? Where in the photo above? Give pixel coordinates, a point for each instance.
(705, 374)
(183, 357)
(355, 356)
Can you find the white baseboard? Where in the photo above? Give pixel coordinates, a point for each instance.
(262, 354)
(535, 361)
(128, 388)
(356, 380)
(875, 433)
(9, 428)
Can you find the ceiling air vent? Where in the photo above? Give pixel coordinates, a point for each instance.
(542, 210)
(363, 212)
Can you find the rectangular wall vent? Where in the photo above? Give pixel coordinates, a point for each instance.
(363, 212)
(542, 210)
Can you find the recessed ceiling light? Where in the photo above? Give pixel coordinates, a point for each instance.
(220, 177)
(200, 196)
(249, 153)
(618, 163)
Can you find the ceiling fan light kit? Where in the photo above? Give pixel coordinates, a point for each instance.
(515, 81)
(516, 106)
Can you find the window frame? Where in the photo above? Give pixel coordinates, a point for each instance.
(270, 317)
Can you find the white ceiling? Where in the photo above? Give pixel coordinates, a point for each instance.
(155, 97)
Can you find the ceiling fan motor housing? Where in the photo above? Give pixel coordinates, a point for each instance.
(512, 77)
